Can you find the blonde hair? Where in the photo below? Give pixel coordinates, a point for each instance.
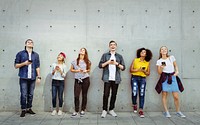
(160, 55)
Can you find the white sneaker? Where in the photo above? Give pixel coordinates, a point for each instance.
(166, 114)
(75, 114)
(104, 113)
(82, 113)
(112, 112)
(180, 114)
(53, 112)
(59, 112)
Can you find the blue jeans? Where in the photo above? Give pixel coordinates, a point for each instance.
(57, 88)
(27, 87)
(138, 84)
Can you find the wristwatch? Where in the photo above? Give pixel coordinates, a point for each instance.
(39, 77)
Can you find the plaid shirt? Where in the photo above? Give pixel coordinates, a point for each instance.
(163, 77)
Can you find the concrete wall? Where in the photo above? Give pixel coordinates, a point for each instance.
(68, 25)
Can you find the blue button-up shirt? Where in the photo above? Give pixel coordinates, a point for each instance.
(105, 76)
(23, 56)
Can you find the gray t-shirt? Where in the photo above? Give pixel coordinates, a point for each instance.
(82, 65)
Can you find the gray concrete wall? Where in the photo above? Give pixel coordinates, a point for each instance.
(68, 25)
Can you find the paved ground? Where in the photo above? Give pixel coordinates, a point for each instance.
(124, 118)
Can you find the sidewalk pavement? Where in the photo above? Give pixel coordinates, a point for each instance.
(92, 118)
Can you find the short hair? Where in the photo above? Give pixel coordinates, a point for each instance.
(112, 41)
(28, 40)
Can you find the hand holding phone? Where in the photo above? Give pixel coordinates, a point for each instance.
(111, 61)
(81, 70)
(30, 61)
(163, 63)
(57, 67)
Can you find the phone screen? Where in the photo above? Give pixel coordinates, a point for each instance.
(163, 63)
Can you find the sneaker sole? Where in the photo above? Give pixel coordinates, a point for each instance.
(142, 116)
(167, 116)
(113, 115)
(181, 116)
(74, 116)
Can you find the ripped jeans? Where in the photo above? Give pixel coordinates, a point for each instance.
(138, 84)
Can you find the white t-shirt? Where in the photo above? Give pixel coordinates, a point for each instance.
(57, 75)
(169, 68)
(29, 67)
(112, 68)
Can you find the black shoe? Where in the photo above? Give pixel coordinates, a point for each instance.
(30, 111)
(23, 113)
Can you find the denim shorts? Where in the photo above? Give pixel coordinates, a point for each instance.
(170, 87)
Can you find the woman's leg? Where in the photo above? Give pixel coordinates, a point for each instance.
(77, 90)
(134, 85)
(85, 86)
(142, 87)
(60, 94)
(54, 95)
(176, 101)
(164, 100)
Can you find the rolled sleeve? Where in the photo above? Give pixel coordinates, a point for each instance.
(17, 59)
(122, 63)
(37, 65)
(102, 60)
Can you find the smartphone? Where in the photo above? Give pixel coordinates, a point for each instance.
(30, 60)
(112, 60)
(163, 63)
(143, 68)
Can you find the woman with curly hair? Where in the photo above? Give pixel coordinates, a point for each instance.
(140, 69)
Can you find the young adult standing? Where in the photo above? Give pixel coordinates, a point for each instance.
(111, 63)
(169, 80)
(140, 69)
(28, 63)
(58, 80)
(81, 68)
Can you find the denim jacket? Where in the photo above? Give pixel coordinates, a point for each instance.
(105, 76)
(22, 56)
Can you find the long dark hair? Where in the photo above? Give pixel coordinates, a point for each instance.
(148, 56)
(86, 59)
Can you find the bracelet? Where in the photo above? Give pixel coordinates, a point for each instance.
(39, 77)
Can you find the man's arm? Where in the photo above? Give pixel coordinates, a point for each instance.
(103, 62)
(121, 65)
